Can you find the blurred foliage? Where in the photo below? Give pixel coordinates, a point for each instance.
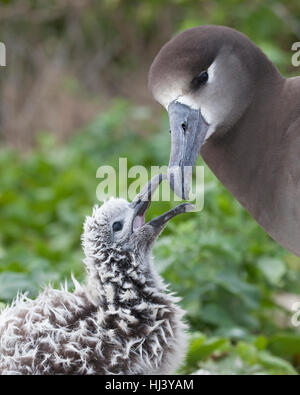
(72, 57)
(219, 260)
(126, 31)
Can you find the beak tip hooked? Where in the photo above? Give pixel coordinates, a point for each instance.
(179, 182)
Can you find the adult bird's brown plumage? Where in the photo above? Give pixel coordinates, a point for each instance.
(227, 101)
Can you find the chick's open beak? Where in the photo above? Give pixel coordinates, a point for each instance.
(159, 222)
(142, 202)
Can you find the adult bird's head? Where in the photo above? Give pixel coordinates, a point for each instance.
(206, 78)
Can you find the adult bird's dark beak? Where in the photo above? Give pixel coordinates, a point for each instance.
(188, 131)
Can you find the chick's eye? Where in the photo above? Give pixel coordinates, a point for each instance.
(199, 80)
(117, 226)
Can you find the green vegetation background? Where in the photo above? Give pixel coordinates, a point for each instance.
(222, 264)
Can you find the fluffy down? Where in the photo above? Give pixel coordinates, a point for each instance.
(122, 320)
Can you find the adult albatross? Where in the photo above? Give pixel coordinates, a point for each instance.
(227, 101)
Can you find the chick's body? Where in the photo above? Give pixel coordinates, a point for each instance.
(122, 320)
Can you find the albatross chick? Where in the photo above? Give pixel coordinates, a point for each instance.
(123, 320)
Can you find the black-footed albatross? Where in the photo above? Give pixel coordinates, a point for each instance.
(227, 101)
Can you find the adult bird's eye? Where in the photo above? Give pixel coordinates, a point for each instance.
(199, 80)
(117, 226)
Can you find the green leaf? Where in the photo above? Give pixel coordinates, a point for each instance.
(12, 283)
(273, 269)
(216, 315)
(261, 342)
(278, 365)
(285, 345)
(232, 283)
(247, 352)
(202, 347)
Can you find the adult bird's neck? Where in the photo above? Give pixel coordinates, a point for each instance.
(247, 159)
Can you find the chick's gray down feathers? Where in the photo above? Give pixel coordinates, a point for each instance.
(122, 320)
